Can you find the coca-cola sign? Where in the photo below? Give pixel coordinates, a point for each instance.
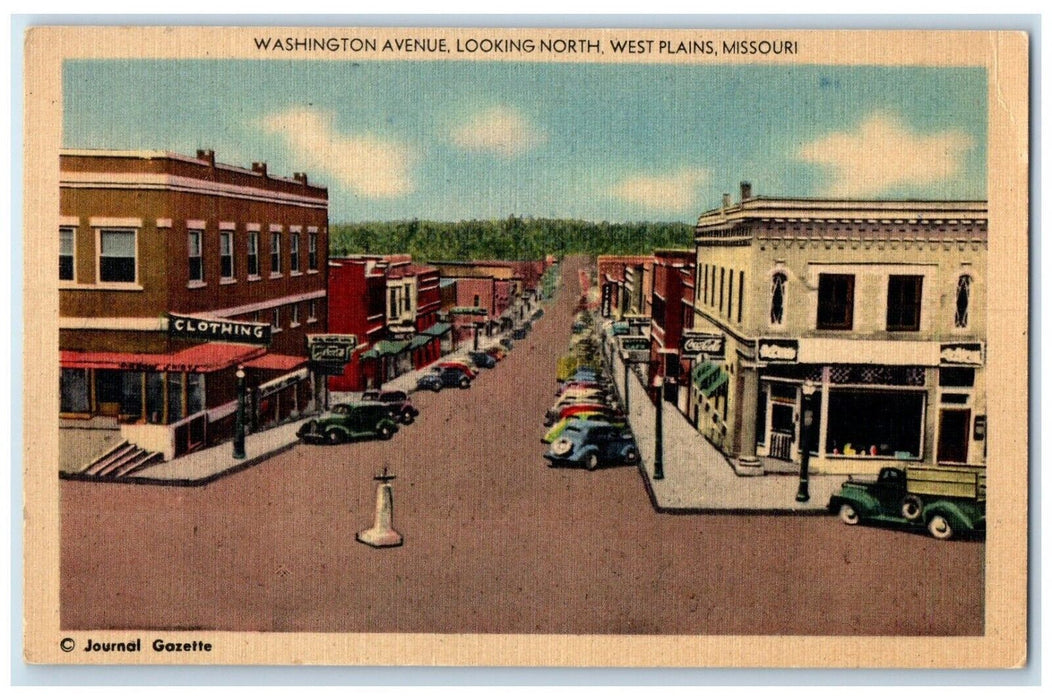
(701, 343)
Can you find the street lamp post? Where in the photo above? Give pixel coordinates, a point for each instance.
(624, 363)
(803, 493)
(239, 425)
(478, 327)
(659, 451)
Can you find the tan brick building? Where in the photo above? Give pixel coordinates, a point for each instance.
(876, 309)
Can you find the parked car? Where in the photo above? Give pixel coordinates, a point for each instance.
(482, 359)
(472, 372)
(948, 501)
(557, 429)
(350, 422)
(497, 353)
(590, 444)
(443, 377)
(506, 342)
(599, 385)
(402, 409)
(519, 333)
(573, 398)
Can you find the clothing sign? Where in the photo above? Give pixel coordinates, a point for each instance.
(778, 350)
(223, 330)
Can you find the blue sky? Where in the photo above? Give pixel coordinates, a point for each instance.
(614, 142)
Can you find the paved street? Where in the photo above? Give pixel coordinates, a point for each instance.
(494, 541)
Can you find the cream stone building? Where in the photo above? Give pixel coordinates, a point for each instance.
(871, 311)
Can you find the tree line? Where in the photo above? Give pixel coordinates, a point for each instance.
(513, 238)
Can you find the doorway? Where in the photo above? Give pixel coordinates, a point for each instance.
(953, 435)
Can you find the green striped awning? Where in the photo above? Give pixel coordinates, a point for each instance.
(437, 329)
(385, 347)
(419, 341)
(708, 377)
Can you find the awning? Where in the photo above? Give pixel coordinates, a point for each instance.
(721, 379)
(275, 362)
(419, 341)
(708, 377)
(385, 347)
(437, 329)
(207, 357)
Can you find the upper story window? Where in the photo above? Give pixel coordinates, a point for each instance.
(275, 253)
(66, 253)
(226, 254)
(275, 321)
(193, 254)
(836, 302)
(963, 301)
(741, 293)
(117, 259)
(253, 254)
(312, 251)
(294, 252)
(904, 302)
(778, 285)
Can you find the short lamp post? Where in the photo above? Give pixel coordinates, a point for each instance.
(239, 424)
(478, 329)
(659, 451)
(803, 493)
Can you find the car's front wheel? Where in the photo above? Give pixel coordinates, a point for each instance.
(407, 418)
(591, 462)
(333, 436)
(632, 456)
(436, 387)
(464, 383)
(848, 514)
(939, 527)
(385, 432)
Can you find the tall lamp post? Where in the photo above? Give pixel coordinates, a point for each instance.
(624, 364)
(659, 450)
(803, 493)
(239, 425)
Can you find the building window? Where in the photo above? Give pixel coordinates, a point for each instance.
(276, 321)
(312, 251)
(904, 302)
(275, 253)
(253, 254)
(836, 302)
(722, 271)
(66, 253)
(294, 252)
(193, 253)
(73, 391)
(195, 393)
(117, 256)
(875, 423)
(312, 311)
(964, 296)
(705, 284)
(741, 293)
(730, 294)
(175, 397)
(778, 282)
(226, 254)
(294, 315)
(477, 300)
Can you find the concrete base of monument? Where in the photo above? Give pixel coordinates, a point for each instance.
(379, 537)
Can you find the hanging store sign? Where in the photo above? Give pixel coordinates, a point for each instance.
(961, 354)
(778, 350)
(608, 294)
(331, 347)
(637, 321)
(692, 343)
(634, 342)
(222, 330)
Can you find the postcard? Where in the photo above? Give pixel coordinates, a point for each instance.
(526, 347)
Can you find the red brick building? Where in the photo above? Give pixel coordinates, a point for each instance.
(672, 311)
(241, 253)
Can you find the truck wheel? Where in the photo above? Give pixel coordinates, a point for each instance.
(848, 514)
(591, 462)
(333, 436)
(940, 527)
(912, 507)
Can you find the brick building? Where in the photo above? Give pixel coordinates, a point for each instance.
(239, 252)
(672, 311)
(873, 309)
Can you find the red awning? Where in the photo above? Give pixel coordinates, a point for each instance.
(207, 357)
(274, 361)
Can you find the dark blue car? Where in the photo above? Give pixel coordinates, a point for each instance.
(590, 444)
(482, 359)
(444, 377)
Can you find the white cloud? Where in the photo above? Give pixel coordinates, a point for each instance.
(883, 154)
(677, 191)
(499, 130)
(368, 165)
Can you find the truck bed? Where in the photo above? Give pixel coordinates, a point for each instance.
(953, 482)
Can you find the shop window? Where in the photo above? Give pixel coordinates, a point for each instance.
(875, 423)
(778, 282)
(73, 391)
(275, 253)
(253, 254)
(155, 397)
(195, 393)
(312, 251)
(836, 302)
(66, 253)
(226, 254)
(117, 256)
(964, 297)
(175, 397)
(193, 252)
(904, 302)
(131, 395)
(294, 252)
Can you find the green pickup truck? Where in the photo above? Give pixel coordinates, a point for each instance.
(949, 501)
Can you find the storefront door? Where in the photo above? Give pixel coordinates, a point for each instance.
(782, 423)
(953, 435)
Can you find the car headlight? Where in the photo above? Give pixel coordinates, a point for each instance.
(562, 447)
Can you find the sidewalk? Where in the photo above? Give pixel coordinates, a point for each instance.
(698, 477)
(203, 466)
